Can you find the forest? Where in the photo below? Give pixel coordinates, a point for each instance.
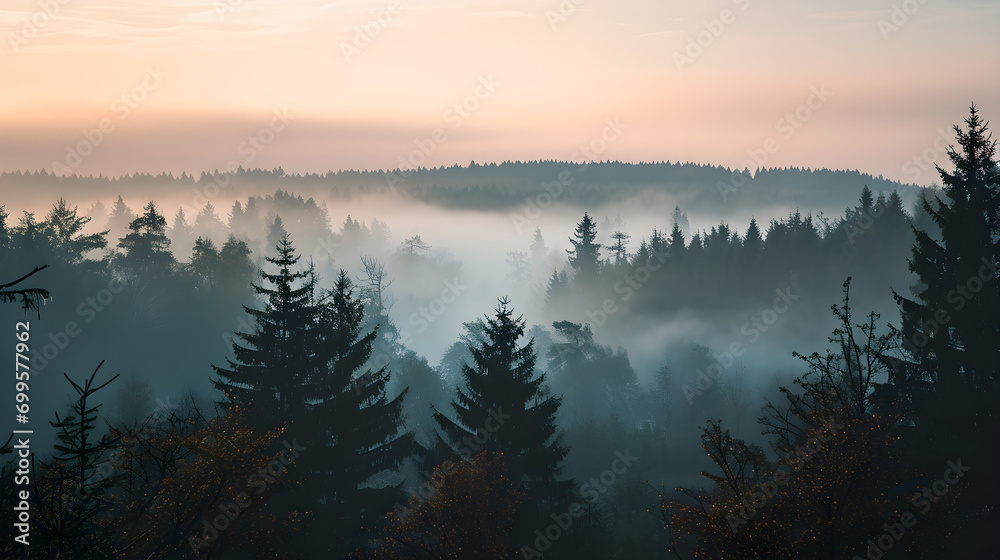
(262, 383)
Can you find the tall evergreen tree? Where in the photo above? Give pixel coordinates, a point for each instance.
(73, 492)
(619, 247)
(181, 233)
(677, 243)
(357, 426)
(302, 365)
(147, 247)
(753, 242)
(504, 407)
(208, 225)
(64, 226)
(585, 255)
(120, 218)
(271, 366)
(950, 330)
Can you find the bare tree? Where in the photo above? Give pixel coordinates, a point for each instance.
(375, 282)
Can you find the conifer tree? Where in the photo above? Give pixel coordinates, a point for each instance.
(270, 369)
(121, 216)
(302, 366)
(72, 492)
(147, 247)
(505, 407)
(950, 329)
(753, 242)
(358, 427)
(181, 232)
(585, 255)
(677, 244)
(63, 226)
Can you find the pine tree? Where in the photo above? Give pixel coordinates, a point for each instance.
(181, 233)
(302, 365)
(205, 262)
(4, 230)
(120, 218)
(585, 255)
(619, 247)
(237, 268)
(275, 231)
(679, 220)
(357, 426)
(504, 407)
(64, 226)
(207, 224)
(271, 366)
(539, 252)
(147, 247)
(753, 242)
(72, 494)
(950, 330)
(677, 244)
(957, 275)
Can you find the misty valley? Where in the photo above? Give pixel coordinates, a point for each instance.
(541, 359)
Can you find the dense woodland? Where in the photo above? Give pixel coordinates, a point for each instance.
(311, 429)
(496, 186)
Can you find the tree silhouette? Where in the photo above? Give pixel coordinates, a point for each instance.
(950, 329)
(585, 255)
(504, 408)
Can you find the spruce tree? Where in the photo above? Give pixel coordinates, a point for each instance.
(181, 233)
(357, 428)
(950, 329)
(302, 365)
(958, 282)
(146, 246)
(272, 363)
(64, 226)
(753, 242)
(505, 407)
(677, 243)
(585, 255)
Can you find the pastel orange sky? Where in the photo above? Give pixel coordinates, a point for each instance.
(200, 77)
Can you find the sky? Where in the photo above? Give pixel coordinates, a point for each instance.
(99, 87)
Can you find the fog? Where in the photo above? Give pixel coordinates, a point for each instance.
(666, 334)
